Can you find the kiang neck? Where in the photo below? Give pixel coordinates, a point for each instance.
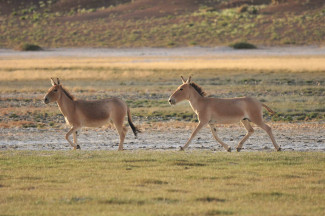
(65, 104)
(194, 99)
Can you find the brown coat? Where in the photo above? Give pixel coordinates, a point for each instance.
(214, 111)
(83, 113)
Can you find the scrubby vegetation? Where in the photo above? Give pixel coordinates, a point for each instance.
(159, 23)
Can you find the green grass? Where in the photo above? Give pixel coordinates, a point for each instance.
(161, 183)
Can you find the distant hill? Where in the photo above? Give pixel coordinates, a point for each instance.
(161, 23)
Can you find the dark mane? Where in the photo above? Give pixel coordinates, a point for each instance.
(198, 89)
(68, 94)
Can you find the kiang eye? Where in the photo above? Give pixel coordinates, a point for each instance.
(55, 90)
(181, 89)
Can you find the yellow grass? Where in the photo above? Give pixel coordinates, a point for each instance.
(144, 67)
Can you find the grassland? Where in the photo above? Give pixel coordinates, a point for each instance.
(161, 183)
(292, 86)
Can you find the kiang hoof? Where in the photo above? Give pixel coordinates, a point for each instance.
(279, 149)
(229, 149)
(181, 148)
(238, 149)
(78, 147)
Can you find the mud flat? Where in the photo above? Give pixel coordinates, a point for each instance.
(291, 137)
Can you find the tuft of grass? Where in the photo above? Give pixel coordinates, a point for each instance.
(153, 181)
(210, 199)
(243, 45)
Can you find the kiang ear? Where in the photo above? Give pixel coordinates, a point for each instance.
(52, 82)
(189, 79)
(184, 81)
(58, 81)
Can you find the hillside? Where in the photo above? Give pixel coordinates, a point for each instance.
(161, 23)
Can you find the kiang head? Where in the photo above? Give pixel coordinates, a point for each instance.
(181, 93)
(54, 93)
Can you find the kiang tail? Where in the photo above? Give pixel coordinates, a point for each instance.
(268, 109)
(134, 128)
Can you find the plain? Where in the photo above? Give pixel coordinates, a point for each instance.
(161, 183)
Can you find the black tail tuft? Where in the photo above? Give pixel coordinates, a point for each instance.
(134, 128)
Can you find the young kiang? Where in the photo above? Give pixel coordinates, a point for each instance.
(214, 111)
(84, 113)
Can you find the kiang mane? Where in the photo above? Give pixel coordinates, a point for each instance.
(68, 94)
(198, 89)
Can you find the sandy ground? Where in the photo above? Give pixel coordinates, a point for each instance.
(291, 137)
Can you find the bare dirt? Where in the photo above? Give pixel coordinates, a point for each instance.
(291, 137)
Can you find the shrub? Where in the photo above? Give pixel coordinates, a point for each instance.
(171, 43)
(243, 45)
(30, 47)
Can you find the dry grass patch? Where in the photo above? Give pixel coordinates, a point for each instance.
(142, 68)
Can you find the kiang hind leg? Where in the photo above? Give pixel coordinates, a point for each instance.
(269, 132)
(258, 120)
(122, 133)
(121, 129)
(250, 131)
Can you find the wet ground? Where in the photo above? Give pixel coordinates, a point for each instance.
(291, 137)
